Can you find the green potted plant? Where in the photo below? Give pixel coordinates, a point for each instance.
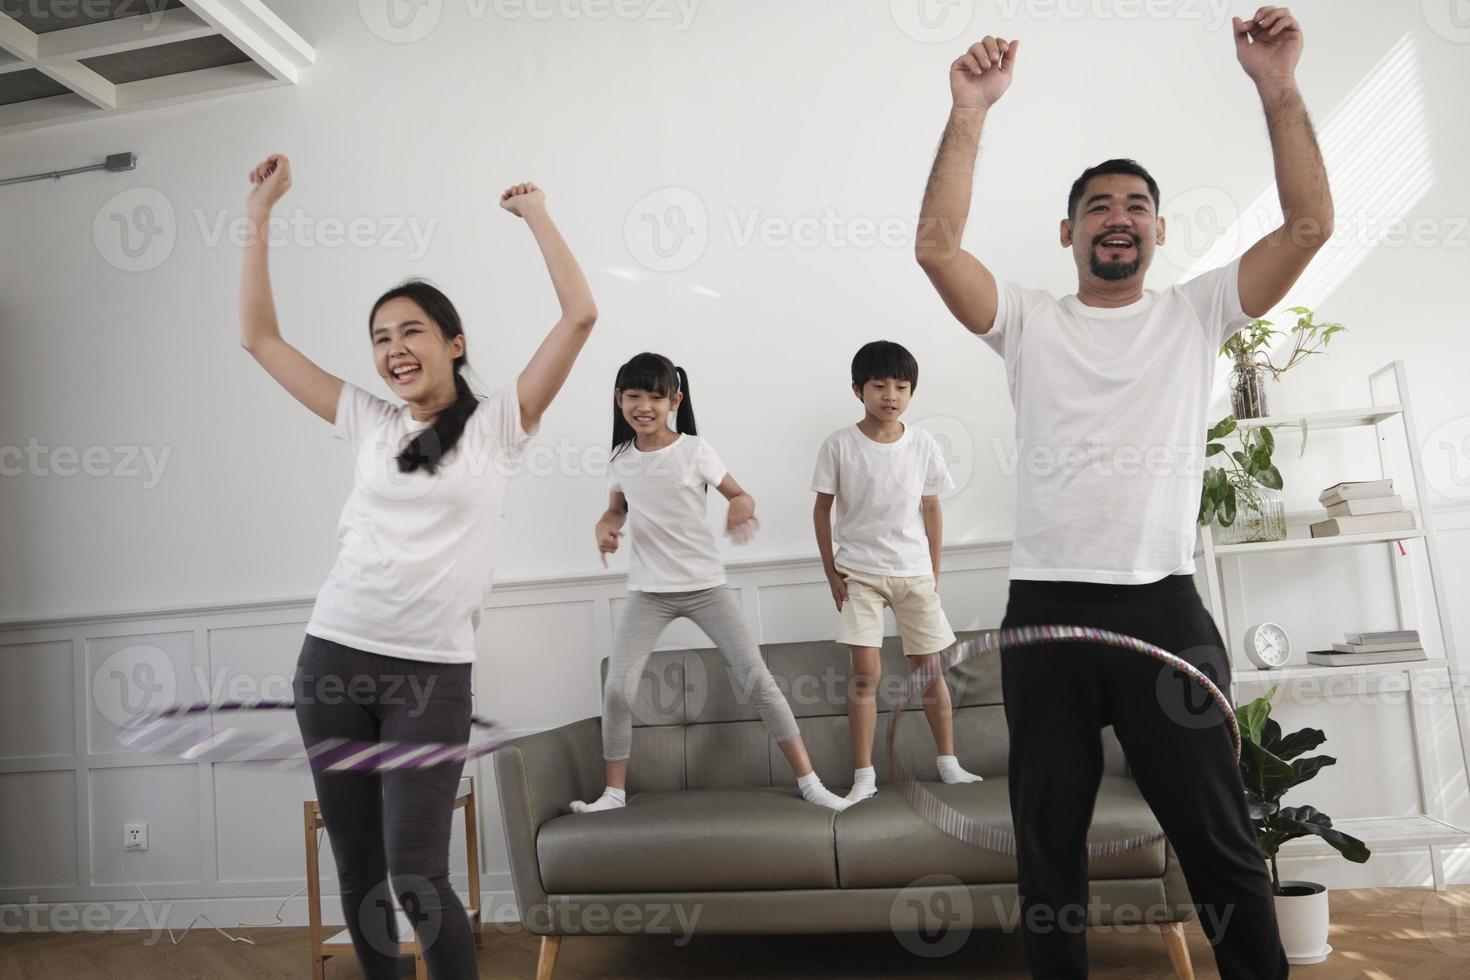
(1247, 349)
(1243, 496)
(1271, 766)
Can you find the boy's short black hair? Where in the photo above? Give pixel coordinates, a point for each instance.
(884, 359)
(1115, 166)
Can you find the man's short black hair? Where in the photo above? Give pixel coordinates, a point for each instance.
(884, 359)
(1114, 166)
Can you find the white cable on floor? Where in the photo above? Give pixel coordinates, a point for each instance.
(282, 907)
(244, 925)
(149, 902)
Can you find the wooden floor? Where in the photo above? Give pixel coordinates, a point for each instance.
(1378, 934)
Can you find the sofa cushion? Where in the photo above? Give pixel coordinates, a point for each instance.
(660, 759)
(882, 842)
(692, 840)
(711, 694)
(729, 755)
(660, 693)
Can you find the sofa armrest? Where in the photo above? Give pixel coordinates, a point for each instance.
(538, 776)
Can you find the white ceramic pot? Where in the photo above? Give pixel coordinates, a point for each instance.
(1302, 916)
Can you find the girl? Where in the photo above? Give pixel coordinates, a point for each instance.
(390, 644)
(661, 477)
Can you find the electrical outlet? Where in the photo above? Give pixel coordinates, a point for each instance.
(135, 837)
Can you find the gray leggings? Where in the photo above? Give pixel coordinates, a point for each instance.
(712, 610)
(390, 831)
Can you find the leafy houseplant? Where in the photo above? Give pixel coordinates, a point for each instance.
(1270, 767)
(1247, 349)
(1246, 488)
(1269, 772)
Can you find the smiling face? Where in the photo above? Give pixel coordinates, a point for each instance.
(411, 353)
(885, 399)
(1115, 229)
(646, 411)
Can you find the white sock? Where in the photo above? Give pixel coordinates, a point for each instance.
(612, 798)
(813, 791)
(864, 784)
(951, 772)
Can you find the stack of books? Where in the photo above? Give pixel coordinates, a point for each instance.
(1361, 507)
(1385, 647)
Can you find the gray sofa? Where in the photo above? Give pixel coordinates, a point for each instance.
(716, 839)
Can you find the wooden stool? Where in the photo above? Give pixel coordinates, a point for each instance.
(341, 943)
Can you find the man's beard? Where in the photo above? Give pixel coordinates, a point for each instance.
(1113, 271)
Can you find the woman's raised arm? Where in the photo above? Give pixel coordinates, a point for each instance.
(553, 360)
(260, 333)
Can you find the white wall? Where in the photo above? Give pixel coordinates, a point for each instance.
(759, 110)
(778, 110)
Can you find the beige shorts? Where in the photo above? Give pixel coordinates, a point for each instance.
(915, 605)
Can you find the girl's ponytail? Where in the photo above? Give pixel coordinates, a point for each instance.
(684, 421)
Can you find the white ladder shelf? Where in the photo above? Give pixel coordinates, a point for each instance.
(1389, 391)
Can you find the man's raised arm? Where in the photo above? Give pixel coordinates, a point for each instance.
(976, 80)
(1268, 47)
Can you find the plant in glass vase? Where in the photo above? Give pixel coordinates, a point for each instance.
(1247, 349)
(1244, 496)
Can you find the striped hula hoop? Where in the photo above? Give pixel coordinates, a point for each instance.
(1000, 839)
(172, 731)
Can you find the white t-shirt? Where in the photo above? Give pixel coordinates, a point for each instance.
(880, 486)
(415, 566)
(1110, 425)
(672, 546)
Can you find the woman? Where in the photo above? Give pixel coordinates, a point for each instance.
(390, 645)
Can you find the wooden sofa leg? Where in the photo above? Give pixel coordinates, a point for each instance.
(1178, 950)
(550, 946)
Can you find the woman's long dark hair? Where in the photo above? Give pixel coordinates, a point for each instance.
(658, 374)
(430, 446)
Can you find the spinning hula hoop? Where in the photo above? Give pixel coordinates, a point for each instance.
(1000, 839)
(170, 732)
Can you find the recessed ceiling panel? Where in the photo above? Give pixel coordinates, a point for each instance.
(45, 16)
(63, 61)
(25, 86)
(166, 59)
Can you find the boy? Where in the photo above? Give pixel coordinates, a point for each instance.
(886, 479)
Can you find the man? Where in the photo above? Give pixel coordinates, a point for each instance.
(1111, 387)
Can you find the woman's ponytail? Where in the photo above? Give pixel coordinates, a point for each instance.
(425, 449)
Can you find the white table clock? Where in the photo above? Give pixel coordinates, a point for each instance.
(1267, 645)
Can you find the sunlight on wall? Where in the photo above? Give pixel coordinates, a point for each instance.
(1376, 148)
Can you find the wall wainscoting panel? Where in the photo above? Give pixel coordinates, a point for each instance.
(227, 839)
